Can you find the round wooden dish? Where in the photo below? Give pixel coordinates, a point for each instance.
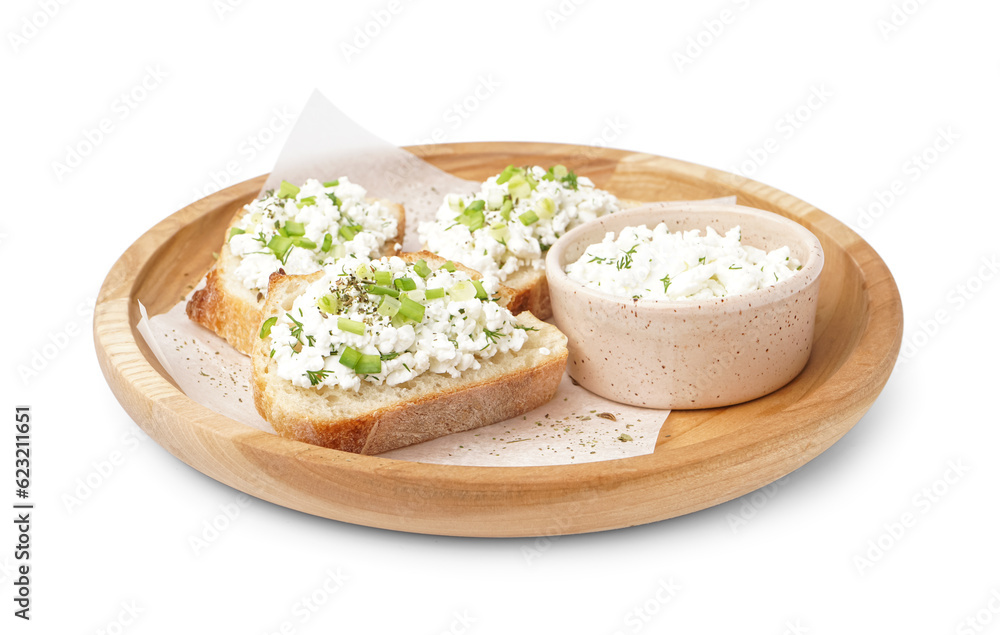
(702, 457)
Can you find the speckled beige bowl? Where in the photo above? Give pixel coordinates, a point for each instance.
(691, 353)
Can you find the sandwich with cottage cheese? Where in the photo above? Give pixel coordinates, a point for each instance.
(368, 355)
(295, 230)
(504, 230)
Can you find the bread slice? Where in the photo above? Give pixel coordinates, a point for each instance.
(377, 419)
(229, 309)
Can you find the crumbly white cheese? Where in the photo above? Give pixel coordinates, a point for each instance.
(501, 246)
(453, 335)
(339, 211)
(663, 265)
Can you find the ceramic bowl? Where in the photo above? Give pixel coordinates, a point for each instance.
(689, 353)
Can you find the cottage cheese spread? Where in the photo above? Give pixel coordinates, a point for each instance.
(302, 229)
(657, 264)
(514, 219)
(386, 322)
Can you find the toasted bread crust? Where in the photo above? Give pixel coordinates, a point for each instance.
(429, 406)
(465, 407)
(227, 314)
(233, 312)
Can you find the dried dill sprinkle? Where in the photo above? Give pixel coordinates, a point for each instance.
(624, 437)
(608, 416)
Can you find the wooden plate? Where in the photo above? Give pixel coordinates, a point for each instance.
(702, 457)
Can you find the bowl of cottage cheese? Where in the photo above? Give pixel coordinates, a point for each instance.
(686, 306)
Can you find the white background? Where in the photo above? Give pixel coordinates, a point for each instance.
(896, 78)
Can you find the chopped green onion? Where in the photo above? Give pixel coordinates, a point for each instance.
(287, 190)
(411, 309)
(434, 294)
(368, 365)
(473, 216)
(528, 217)
(476, 206)
(530, 178)
(559, 171)
(350, 357)
(279, 246)
(499, 232)
(456, 204)
(295, 229)
(333, 183)
(265, 328)
(545, 208)
(389, 306)
(417, 295)
(518, 187)
(380, 290)
(508, 172)
(383, 278)
(448, 266)
(480, 291)
(327, 243)
(328, 303)
(506, 209)
(302, 241)
(303, 202)
(236, 231)
(405, 284)
(421, 268)
(364, 272)
(281, 231)
(351, 326)
(338, 251)
(333, 199)
(462, 290)
(349, 231)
